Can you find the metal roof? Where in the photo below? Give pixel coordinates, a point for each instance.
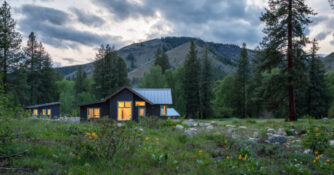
(171, 112)
(43, 105)
(157, 96)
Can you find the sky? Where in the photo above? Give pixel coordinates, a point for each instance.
(73, 30)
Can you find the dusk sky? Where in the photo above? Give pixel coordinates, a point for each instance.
(72, 30)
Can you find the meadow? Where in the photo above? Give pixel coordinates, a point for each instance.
(154, 146)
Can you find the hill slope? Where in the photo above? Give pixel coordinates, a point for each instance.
(224, 56)
(329, 62)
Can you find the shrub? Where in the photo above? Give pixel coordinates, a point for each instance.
(316, 139)
(151, 122)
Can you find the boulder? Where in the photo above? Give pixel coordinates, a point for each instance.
(277, 139)
(191, 132)
(190, 122)
(270, 130)
(230, 126)
(281, 131)
(308, 151)
(203, 124)
(331, 143)
(325, 118)
(119, 124)
(256, 134)
(179, 127)
(213, 123)
(242, 127)
(253, 140)
(210, 127)
(230, 130)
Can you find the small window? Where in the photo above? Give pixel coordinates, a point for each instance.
(121, 104)
(140, 103)
(163, 110)
(44, 111)
(128, 104)
(35, 112)
(93, 113)
(49, 111)
(141, 112)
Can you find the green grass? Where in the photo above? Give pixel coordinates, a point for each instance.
(63, 148)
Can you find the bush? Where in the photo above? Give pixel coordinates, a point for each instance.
(316, 139)
(151, 122)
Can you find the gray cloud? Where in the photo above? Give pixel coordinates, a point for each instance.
(322, 35)
(332, 42)
(87, 18)
(51, 29)
(69, 60)
(195, 16)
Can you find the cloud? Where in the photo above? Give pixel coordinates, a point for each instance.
(49, 26)
(70, 60)
(45, 14)
(332, 42)
(322, 35)
(88, 18)
(232, 20)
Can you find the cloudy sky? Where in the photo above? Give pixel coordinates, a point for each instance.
(72, 30)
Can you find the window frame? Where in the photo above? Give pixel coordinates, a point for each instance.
(124, 106)
(141, 108)
(93, 108)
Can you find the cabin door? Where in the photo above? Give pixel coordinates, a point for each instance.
(124, 110)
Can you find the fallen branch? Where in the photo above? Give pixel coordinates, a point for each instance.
(20, 154)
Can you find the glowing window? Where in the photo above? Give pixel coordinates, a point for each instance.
(121, 104)
(140, 103)
(35, 112)
(44, 111)
(96, 112)
(163, 110)
(141, 112)
(49, 111)
(128, 104)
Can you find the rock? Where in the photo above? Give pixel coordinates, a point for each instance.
(256, 134)
(253, 140)
(141, 130)
(210, 127)
(230, 126)
(292, 131)
(213, 123)
(202, 124)
(191, 132)
(271, 130)
(242, 127)
(230, 130)
(291, 137)
(190, 122)
(325, 118)
(270, 134)
(331, 143)
(179, 127)
(119, 124)
(281, 131)
(277, 139)
(308, 151)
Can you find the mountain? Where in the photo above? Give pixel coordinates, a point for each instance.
(329, 62)
(224, 56)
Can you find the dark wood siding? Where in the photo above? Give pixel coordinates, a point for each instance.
(102, 106)
(55, 110)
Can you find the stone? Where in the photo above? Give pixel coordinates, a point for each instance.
(179, 127)
(210, 127)
(281, 131)
(202, 124)
(191, 132)
(291, 137)
(242, 127)
(213, 123)
(325, 118)
(253, 140)
(256, 134)
(230, 126)
(308, 151)
(271, 130)
(190, 122)
(230, 130)
(119, 124)
(277, 139)
(331, 143)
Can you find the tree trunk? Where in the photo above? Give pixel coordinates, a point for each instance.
(292, 110)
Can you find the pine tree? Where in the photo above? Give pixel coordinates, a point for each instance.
(285, 23)
(317, 96)
(206, 83)
(79, 81)
(240, 84)
(48, 80)
(161, 59)
(191, 83)
(10, 41)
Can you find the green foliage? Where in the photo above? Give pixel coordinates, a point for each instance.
(223, 93)
(154, 78)
(316, 139)
(151, 122)
(66, 89)
(161, 59)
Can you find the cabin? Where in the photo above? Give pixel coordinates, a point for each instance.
(129, 104)
(45, 110)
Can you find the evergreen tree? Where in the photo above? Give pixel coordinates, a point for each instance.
(79, 81)
(161, 59)
(97, 75)
(191, 83)
(206, 83)
(154, 78)
(285, 23)
(223, 94)
(10, 41)
(240, 84)
(317, 96)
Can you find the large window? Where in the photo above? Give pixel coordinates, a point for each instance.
(49, 111)
(163, 110)
(44, 112)
(35, 112)
(93, 113)
(124, 110)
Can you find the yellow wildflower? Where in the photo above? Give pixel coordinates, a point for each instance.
(87, 134)
(147, 139)
(78, 157)
(316, 129)
(245, 157)
(291, 123)
(93, 134)
(317, 134)
(200, 152)
(287, 146)
(327, 160)
(317, 158)
(240, 157)
(316, 152)
(314, 161)
(227, 157)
